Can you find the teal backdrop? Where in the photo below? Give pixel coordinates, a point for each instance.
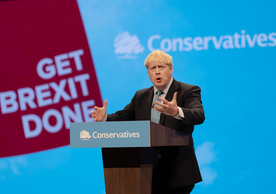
(226, 47)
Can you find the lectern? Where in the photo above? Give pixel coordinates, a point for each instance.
(127, 149)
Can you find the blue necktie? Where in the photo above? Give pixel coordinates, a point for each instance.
(155, 114)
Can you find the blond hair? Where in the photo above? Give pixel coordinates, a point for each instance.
(158, 56)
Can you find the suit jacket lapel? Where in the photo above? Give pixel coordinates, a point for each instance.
(174, 88)
(148, 103)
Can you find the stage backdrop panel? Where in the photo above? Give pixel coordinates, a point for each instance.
(47, 81)
(225, 47)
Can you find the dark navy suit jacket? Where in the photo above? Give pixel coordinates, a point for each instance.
(179, 164)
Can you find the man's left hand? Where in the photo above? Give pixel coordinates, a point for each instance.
(168, 108)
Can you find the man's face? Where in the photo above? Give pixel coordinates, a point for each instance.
(160, 74)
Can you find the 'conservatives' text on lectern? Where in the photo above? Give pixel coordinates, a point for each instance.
(127, 149)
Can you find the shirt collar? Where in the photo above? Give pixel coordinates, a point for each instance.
(166, 89)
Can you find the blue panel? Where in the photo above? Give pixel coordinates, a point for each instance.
(110, 134)
(226, 48)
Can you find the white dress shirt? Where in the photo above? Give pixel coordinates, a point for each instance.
(165, 90)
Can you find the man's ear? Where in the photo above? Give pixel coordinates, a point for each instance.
(171, 68)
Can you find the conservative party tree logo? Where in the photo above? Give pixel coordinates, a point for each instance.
(127, 45)
(85, 135)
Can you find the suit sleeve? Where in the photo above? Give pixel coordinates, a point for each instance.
(193, 109)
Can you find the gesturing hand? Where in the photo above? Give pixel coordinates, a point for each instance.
(99, 112)
(168, 108)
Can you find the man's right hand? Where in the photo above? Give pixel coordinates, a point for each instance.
(99, 113)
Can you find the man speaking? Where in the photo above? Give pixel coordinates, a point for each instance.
(175, 105)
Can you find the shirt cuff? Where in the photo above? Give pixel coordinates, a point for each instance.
(180, 114)
(105, 118)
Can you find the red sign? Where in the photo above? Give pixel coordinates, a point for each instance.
(47, 75)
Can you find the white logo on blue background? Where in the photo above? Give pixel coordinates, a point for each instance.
(127, 45)
(85, 135)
